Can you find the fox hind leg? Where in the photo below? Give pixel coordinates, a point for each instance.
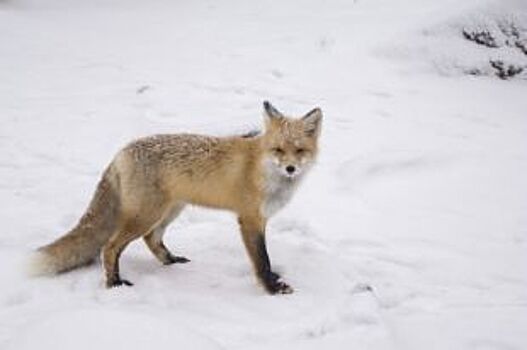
(154, 239)
(132, 228)
(111, 253)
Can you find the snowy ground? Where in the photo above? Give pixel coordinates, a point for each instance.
(420, 190)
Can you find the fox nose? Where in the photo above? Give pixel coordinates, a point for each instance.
(290, 169)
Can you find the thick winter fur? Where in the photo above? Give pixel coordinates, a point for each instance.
(150, 181)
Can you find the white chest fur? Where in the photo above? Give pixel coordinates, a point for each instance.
(278, 192)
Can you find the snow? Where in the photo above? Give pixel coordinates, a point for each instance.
(410, 233)
(88, 329)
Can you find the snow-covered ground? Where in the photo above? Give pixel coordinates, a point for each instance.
(420, 190)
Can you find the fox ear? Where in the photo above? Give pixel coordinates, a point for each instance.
(312, 122)
(270, 112)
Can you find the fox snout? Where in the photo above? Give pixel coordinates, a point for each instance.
(292, 170)
(289, 170)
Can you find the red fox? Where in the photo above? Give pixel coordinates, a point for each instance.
(150, 181)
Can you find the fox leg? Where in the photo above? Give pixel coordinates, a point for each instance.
(154, 239)
(253, 234)
(111, 253)
(131, 229)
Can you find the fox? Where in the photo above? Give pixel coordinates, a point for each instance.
(152, 179)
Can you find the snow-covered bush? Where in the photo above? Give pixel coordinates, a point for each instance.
(506, 40)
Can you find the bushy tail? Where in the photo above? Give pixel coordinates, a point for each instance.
(82, 244)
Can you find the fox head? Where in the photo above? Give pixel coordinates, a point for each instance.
(290, 144)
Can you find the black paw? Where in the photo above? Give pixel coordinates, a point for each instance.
(118, 282)
(173, 259)
(273, 285)
(278, 287)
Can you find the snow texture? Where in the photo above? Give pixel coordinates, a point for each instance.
(410, 232)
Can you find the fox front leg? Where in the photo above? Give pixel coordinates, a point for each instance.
(253, 233)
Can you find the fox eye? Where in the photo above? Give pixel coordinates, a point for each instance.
(278, 150)
(300, 151)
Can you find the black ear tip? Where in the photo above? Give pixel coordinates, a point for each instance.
(314, 111)
(271, 111)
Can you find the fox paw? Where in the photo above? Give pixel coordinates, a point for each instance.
(279, 287)
(273, 285)
(118, 282)
(173, 259)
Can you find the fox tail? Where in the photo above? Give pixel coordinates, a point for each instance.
(82, 244)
